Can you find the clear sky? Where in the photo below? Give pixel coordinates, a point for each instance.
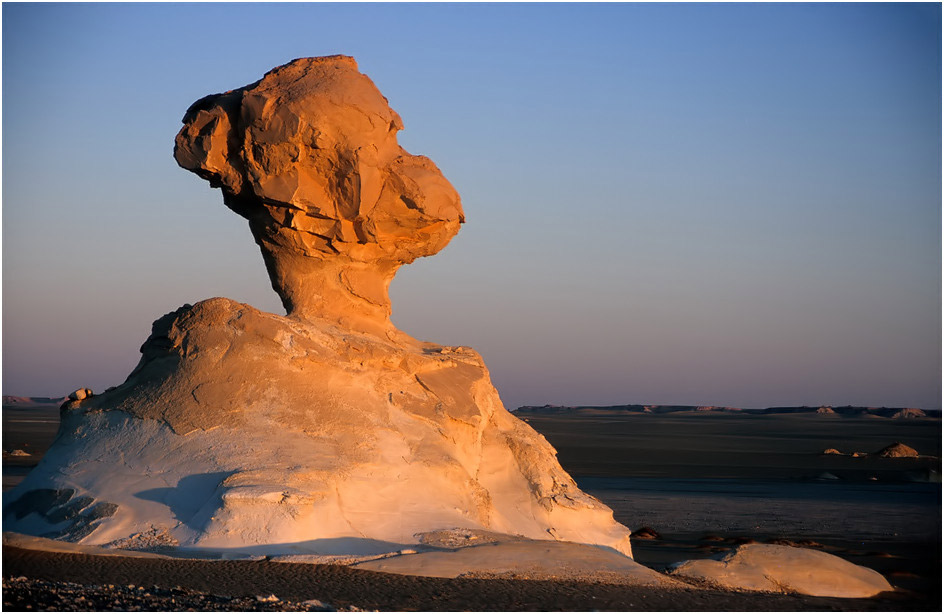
(735, 204)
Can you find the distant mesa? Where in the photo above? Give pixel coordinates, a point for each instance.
(828, 451)
(897, 450)
(326, 430)
(845, 411)
(31, 401)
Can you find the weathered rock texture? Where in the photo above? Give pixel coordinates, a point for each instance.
(326, 430)
(309, 156)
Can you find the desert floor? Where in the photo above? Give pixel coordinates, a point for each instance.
(702, 481)
(706, 481)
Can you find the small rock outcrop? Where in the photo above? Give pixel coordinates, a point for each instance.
(646, 533)
(897, 450)
(909, 413)
(326, 430)
(80, 394)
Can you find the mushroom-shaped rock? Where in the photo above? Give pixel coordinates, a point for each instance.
(309, 155)
(326, 431)
(768, 567)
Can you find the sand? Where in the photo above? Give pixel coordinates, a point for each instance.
(698, 480)
(344, 587)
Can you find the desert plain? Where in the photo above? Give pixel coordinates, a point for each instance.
(690, 484)
(327, 460)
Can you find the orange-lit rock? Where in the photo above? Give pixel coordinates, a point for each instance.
(773, 568)
(326, 430)
(309, 155)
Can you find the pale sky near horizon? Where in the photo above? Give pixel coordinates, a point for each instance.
(727, 204)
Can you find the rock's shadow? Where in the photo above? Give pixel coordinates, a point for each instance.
(189, 496)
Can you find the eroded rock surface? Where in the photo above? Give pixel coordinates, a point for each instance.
(326, 431)
(309, 155)
(243, 429)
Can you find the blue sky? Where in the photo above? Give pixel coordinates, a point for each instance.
(734, 204)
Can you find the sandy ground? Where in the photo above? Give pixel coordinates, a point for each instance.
(347, 588)
(703, 482)
(707, 481)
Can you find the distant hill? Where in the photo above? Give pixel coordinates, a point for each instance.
(902, 413)
(29, 401)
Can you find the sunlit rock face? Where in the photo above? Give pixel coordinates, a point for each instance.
(773, 568)
(309, 156)
(326, 430)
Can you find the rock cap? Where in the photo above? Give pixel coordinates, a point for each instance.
(309, 155)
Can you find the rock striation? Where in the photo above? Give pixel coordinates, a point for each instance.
(326, 430)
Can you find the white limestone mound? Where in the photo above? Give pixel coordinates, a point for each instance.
(480, 554)
(767, 567)
(242, 429)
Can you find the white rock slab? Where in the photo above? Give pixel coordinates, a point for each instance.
(767, 567)
(523, 558)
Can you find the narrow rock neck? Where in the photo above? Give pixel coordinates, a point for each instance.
(350, 294)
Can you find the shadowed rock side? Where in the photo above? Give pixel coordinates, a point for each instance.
(325, 431)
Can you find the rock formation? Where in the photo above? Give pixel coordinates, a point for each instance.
(772, 568)
(327, 430)
(309, 156)
(909, 413)
(897, 450)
